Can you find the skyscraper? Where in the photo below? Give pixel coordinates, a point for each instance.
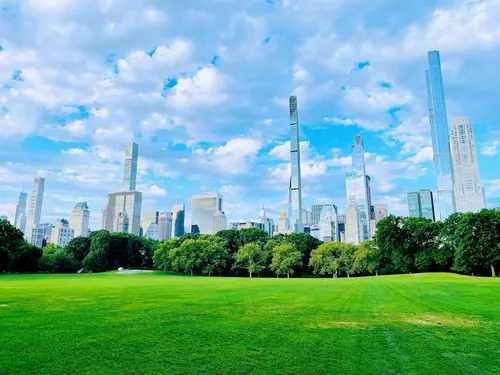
(468, 190)
(414, 204)
(103, 217)
(421, 204)
(130, 167)
(356, 186)
(203, 208)
(20, 215)
(369, 196)
(283, 223)
(34, 207)
(316, 213)
(148, 218)
(353, 227)
(440, 136)
(328, 223)
(178, 214)
(295, 189)
(124, 212)
(380, 211)
(219, 221)
(62, 234)
(79, 221)
(165, 225)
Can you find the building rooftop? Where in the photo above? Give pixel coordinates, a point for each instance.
(82, 205)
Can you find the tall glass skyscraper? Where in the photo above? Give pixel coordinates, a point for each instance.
(130, 168)
(421, 204)
(295, 190)
(440, 136)
(203, 208)
(20, 215)
(414, 204)
(178, 214)
(356, 186)
(34, 207)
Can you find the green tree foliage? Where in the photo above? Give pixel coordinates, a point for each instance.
(25, 258)
(252, 235)
(215, 256)
(232, 238)
(477, 237)
(347, 258)
(285, 258)
(97, 260)
(161, 257)
(11, 239)
(325, 260)
(57, 260)
(420, 245)
(251, 257)
(389, 239)
(78, 248)
(367, 258)
(187, 258)
(305, 243)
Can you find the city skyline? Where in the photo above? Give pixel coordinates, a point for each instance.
(231, 135)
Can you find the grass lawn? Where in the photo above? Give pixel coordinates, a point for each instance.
(163, 324)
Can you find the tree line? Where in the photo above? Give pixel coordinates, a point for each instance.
(466, 243)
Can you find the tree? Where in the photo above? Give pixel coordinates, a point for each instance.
(367, 258)
(232, 238)
(325, 260)
(161, 259)
(477, 238)
(97, 260)
(11, 239)
(347, 258)
(214, 256)
(420, 245)
(187, 257)
(285, 258)
(448, 240)
(26, 258)
(389, 238)
(305, 243)
(252, 235)
(78, 248)
(251, 257)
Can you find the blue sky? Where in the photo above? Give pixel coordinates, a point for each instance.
(203, 87)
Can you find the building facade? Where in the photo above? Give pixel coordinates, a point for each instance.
(295, 189)
(153, 232)
(20, 214)
(421, 204)
(130, 166)
(353, 225)
(468, 190)
(203, 208)
(62, 234)
(148, 218)
(41, 234)
(165, 225)
(414, 204)
(219, 221)
(356, 186)
(380, 211)
(124, 212)
(283, 223)
(34, 207)
(438, 120)
(79, 221)
(328, 224)
(178, 215)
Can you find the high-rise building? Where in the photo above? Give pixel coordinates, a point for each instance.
(62, 234)
(266, 223)
(341, 227)
(20, 215)
(440, 136)
(79, 221)
(153, 232)
(353, 224)
(283, 223)
(468, 190)
(41, 234)
(203, 208)
(306, 217)
(369, 197)
(427, 205)
(421, 204)
(295, 189)
(148, 218)
(34, 207)
(380, 211)
(356, 186)
(124, 212)
(103, 217)
(165, 225)
(178, 214)
(219, 221)
(3, 217)
(328, 223)
(130, 166)
(414, 204)
(315, 213)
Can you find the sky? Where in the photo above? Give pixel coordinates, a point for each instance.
(203, 87)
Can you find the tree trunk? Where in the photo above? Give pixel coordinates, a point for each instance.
(376, 273)
(333, 275)
(191, 272)
(250, 274)
(493, 273)
(348, 275)
(288, 275)
(277, 276)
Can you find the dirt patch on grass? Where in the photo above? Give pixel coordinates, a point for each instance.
(3, 305)
(436, 320)
(339, 324)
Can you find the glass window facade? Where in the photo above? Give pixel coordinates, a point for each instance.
(203, 208)
(295, 189)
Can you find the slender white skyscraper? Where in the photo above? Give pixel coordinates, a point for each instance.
(130, 168)
(353, 229)
(438, 120)
(357, 186)
(178, 214)
(468, 190)
(220, 221)
(20, 215)
(34, 207)
(165, 225)
(295, 189)
(203, 208)
(79, 221)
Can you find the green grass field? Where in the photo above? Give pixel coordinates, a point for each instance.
(162, 324)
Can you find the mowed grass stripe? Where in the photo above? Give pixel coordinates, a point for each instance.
(163, 324)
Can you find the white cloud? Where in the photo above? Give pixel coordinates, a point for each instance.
(491, 149)
(282, 151)
(423, 155)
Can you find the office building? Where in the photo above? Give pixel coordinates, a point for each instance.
(103, 217)
(356, 186)
(34, 207)
(165, 225)
(148, 218)
(295, 189)
(20, 214)
(153, 232)
(130, 166)
(178, 215)
(79, 221)
(369, 196)
(421, 204)
(379, 212)
(3, 217)
(41, 234)
(315, 213)
(341, 226)
(219, 221)
(123, 212)
(353, 224)
(283, 223)
(203, 208)
(62, 234)
(306, 217)
(438, 120)
(469, 195)
(328, 223)
(266, 223)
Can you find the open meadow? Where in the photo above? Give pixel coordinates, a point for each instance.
(158, 323)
